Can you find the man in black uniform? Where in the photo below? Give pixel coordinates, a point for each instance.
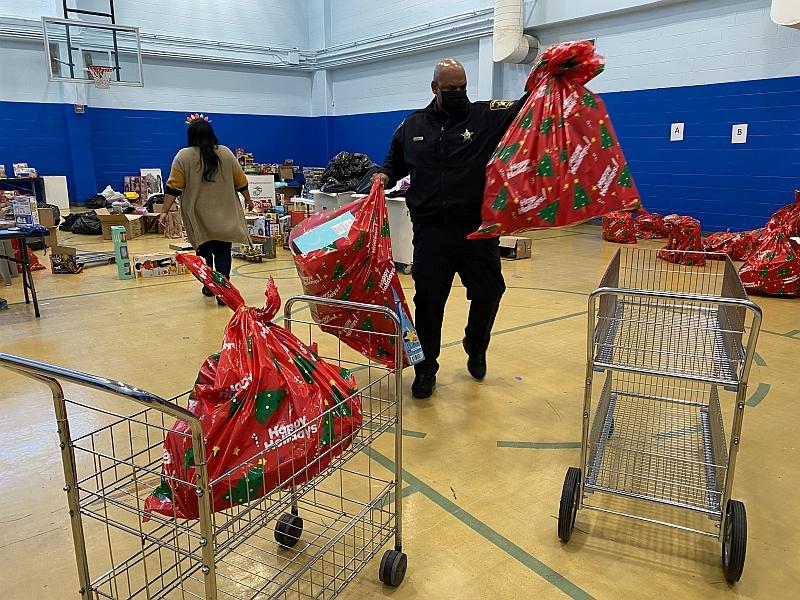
(445, 148)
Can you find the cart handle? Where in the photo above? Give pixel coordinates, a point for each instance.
(45, 372)
(748, 304)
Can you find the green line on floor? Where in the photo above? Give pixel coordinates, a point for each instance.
(538, 445)
(761, 392)
(526, 326)
(792, 333)
(406, 432)
(759, 360)
(492, 536)
(407, 491)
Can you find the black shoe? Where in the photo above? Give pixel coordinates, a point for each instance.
(207, 292)
(220, 301)
(423, 386)
(476, 363)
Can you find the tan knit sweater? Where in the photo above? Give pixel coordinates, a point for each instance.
(210, 210)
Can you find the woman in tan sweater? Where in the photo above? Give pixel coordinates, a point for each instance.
(207, 177)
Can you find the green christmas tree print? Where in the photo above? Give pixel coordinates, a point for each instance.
(340, 407)
(763, 272)
(606, 141)
(188, 459)
(508, 153)
(385, 229)
(564, 156)
(267, 402)
(545, 168)
(625, 177)
(561, 122)
(345, 374)
(546, 126)
(362, 239)
(527, 120)
(382, 351)
(250, 345)
(236, 404)
(327, 437)
(501, 199)
(219, 279)
(770, 255)
(367, 325)
(783, 272)
(588, 100)
(331, 247)
(346, 293)
(580, 199)
(370, 282)
(249, 487)
(163, 491)
(338, 271)
(486, 230)
(549, 212)
(306, 368)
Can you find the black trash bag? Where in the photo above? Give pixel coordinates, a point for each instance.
(87, 224)
(68, 221)
(97, 201)
(153, 200)
(56, 212)
(344, 172)
(365, 185)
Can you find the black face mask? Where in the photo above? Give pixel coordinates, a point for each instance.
(454, 101)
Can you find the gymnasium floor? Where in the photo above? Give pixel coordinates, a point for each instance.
(485, 461)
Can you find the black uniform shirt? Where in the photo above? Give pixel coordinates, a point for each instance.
(446, 156)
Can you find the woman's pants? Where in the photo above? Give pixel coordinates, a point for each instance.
(217, 256)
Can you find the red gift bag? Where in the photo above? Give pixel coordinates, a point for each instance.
(273, 413)
(650, 226)
(739, 246)
(684, 240)
(560, 162)
(787, 218)
(774, 270)
(618, 227)
(33, 260)
(347, 254)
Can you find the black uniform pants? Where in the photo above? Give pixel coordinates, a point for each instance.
(217, 255)
(441, 251)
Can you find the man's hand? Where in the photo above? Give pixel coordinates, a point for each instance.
(250, 206)
(382, 176)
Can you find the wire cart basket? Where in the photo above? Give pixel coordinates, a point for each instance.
(308, 541)
(673, 343)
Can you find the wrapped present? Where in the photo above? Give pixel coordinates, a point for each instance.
(685, 244)
(560, 162)
(774, 269)
(273, 413)
(739, 246)
(650, 226)
(787, 218)
(347, 254)
(618, 226)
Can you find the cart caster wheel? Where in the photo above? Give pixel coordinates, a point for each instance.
(393, 567)
(610, 430)
(288, 530)
(569, 503)
(734, 542)
(259, 259)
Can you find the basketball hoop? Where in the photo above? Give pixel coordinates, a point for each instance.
(101, 75)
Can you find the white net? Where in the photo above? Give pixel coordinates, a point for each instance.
(101, 76)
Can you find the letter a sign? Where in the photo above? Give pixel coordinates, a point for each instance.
(676, 132)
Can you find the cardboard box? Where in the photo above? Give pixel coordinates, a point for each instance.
(257, 226)
(515, 248)
(64, 261)
(46, 217)
(183, 246)
(132, 223)
(157, 265)
(25, 210)
(285, 172)
(51, 240)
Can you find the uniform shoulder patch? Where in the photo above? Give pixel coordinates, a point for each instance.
(501, 104)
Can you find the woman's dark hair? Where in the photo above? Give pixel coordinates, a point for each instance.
(201, 135)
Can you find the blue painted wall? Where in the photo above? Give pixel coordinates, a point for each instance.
(722, 184)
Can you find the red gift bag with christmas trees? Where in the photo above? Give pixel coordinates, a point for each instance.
(685, 244)
(787, 218)
(739, 246)
(346, 254)
(650, 226)
(273, 413)
(773, 270)
(559, 163)
(618, 227)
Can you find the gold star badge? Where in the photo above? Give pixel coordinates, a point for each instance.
(467, 135)
(215, 450)
(236, 451)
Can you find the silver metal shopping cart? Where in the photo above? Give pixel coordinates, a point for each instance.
(674, 343)
(325, 530)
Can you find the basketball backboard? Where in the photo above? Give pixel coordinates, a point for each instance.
(73, 46)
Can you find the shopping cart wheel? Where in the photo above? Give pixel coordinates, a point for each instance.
(610, 430)
(288, 530)
(393, 567)
(569, 503)
(734, 542)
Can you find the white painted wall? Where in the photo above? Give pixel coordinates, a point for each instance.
(396, 84)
